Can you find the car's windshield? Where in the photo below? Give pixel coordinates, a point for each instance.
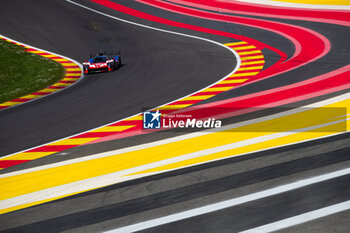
(100, 59)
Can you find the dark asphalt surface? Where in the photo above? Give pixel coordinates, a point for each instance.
(103, 98)
(253, 214)
(159, 67)
(147, 198)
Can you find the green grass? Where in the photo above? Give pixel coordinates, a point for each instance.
(22, 73)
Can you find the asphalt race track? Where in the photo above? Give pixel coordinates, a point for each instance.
(274, 189)
(158, 68)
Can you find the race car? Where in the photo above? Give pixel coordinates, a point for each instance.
(101, 63)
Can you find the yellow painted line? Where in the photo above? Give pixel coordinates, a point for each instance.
(34, 181)
(30, 96)
(317, 2)
(36, 51)
(73, 69)
(27, 156)
(73, 74)
(253, 62)
(244, 47)
(60, 59)
(248, 149)
(175, 106)
(73, 141)
(49, 90)
(70, 79)
(61, 84)
(118, 128)
(69, 64)
(197, 97)
(135, 118)
(236, 43)
(233, 81)
(213, 89)
(251, 57)
(250, 52)
(10, 103)
(49, 55)
(244, 74)
(251, 68)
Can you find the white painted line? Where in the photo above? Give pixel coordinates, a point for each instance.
(297, 5)
(152, 28)
(192, 135)
(229, 203)
(302, 218)
(59, 55)
(120, 176)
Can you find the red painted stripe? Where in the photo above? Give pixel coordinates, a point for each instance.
(125, 123)
(52, 148)
(242, 77)
(73, 72)
(316, 15)
(71, 67)
(67, 81)
(228, 85)
(128, 122)
(208, 93)
(135, 131)
(94, 135)
(225, 85)
(56, 58)
(10, 163)
(43, 53)
(54, 87)
(20, 100)
(41, 93)
(64, 61)
(309, 45)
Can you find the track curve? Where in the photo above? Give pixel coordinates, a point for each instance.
(152, 60)
(150, 198)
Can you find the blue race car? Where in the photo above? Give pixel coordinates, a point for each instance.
(101, 63)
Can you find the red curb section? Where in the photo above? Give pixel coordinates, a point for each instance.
(10, 163)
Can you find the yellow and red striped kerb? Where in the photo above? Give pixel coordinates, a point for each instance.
(72, 74)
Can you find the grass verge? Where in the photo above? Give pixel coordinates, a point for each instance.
(22, 73)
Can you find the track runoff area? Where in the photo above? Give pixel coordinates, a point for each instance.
(49, 182)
